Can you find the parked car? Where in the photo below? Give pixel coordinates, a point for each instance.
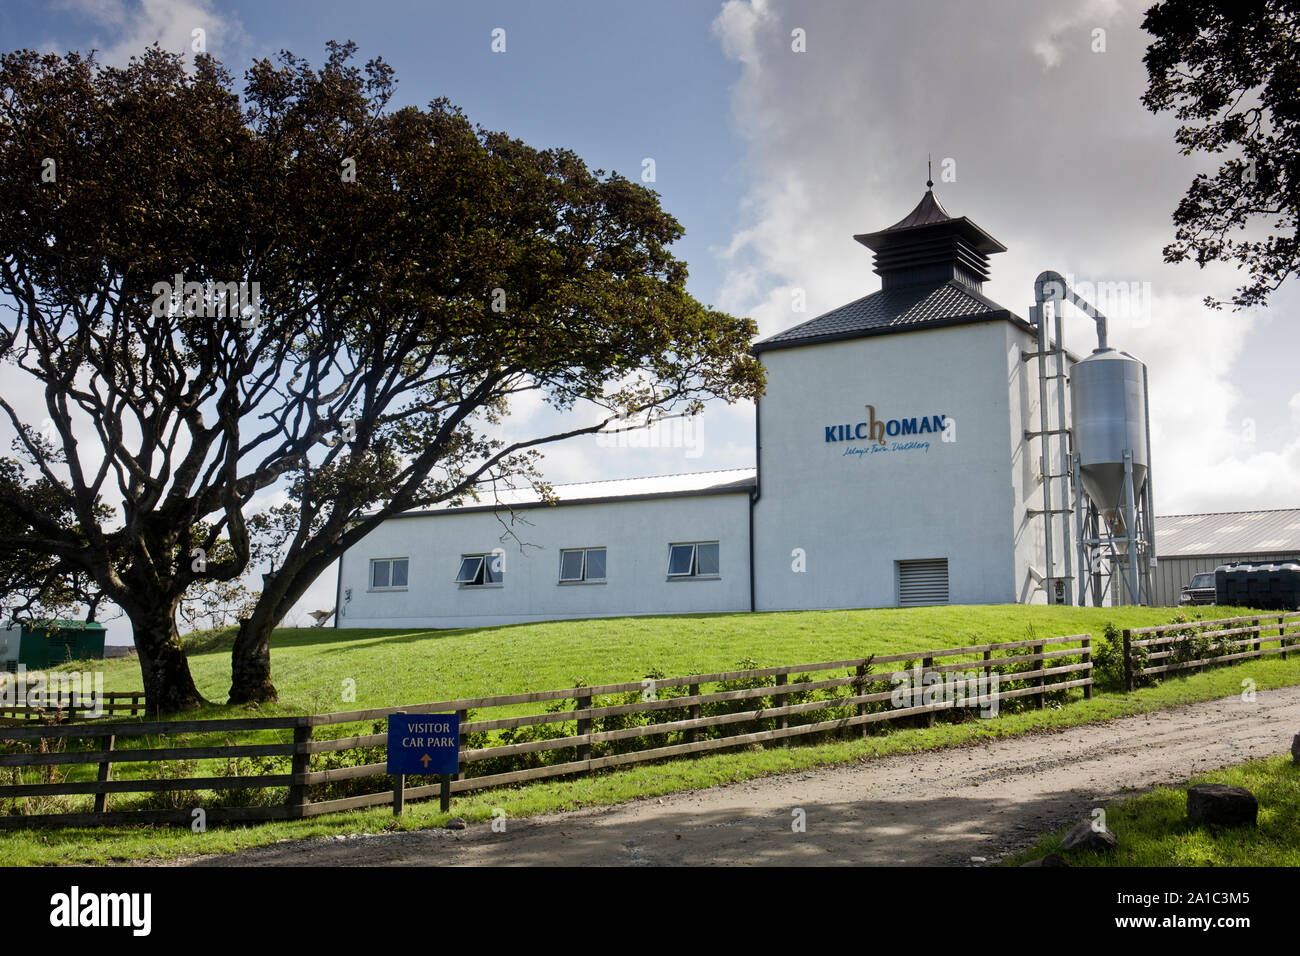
(1199, 590)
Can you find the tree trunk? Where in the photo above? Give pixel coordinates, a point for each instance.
(168, 686)
(250, 662)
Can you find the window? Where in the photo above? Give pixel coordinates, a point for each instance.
(698, 560)
(388, 574)
(480, 570)
(579, 565)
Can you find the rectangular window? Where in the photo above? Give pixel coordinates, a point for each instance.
(698, 560)
(479, 570)
(681, 560)
(388, 574)
(471, 570)
(399, 572)
(582, 564)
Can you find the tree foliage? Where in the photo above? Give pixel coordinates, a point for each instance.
(410, 273)
(1230, 73)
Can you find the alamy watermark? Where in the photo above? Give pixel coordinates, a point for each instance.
(82, 691)
(918, 688)
(678, 431)
(215, 300)
(1126, 299)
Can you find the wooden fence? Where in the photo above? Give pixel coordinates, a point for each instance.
(1166, 644)
(1048, 672)
(76, 706)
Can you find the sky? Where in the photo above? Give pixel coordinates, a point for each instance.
(778, 130)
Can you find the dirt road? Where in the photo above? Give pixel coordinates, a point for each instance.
(939, 808)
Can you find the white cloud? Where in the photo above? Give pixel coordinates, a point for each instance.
(133, 26)
(1071, 31)
(1052, 152)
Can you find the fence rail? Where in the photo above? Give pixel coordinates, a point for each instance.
(738, 717)
(1171, 643)
(75, 706)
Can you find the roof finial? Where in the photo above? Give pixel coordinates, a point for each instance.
(929, 172)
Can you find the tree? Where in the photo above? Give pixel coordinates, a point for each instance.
(35, 586)
(410, 273)
(210, 604)
(1230, 73)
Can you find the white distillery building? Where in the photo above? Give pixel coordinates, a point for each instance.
(897, 463)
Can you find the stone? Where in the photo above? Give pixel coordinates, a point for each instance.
(1218, 804)
(456, 823)
(1084, 835)
(1052, 859)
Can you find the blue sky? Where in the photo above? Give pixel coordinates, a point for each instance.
(615, 82)
(772, 159)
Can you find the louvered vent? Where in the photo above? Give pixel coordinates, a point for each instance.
(922, 582)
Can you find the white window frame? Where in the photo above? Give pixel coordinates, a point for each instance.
(694, 573)
(583, 579)
(370, 583)
(484, 571)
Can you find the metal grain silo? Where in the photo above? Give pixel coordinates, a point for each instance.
(1109, 418)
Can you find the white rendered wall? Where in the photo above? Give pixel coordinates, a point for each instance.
(635, 534)
(855, 515)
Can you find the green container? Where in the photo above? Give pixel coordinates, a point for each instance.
(50, 643)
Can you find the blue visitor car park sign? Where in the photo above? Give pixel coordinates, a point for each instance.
(423, 743)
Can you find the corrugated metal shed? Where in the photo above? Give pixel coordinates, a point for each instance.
(1189, 544)
(1230, 532)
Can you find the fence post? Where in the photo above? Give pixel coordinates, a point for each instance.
(462, 718)
(1128, 661)
(583, 702)
(1258, 635)
(859, 686)
(301, 761)
(1281, 635)
(692, 735)
(988, 675)
(780, 700)
(1042, 681)
(926, 664)
(1087, 659)
(105, 773)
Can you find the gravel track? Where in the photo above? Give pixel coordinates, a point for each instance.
(937, 808)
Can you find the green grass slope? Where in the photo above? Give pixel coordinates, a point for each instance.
(408, 666)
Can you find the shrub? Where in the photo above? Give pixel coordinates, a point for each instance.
(1108, 662)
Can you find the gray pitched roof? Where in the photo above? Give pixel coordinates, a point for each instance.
(1231, 532)
(728, 481)
(893, 310)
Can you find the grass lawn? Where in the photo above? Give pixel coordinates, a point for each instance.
(392, 667)
(399, 667)
(1153, 831)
